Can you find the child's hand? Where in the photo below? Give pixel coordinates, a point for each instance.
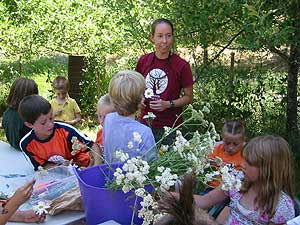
(101, 149)
(57, 159)
(159, 105)
(215, 161)
(28, 216)
(92, 160)
(57, 112)
(97, 154)
(68, 162)
(23, 193)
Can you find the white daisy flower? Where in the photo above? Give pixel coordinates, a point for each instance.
(74, 138)
(41, 208)
(148, 93)
(164, 147)
(149, 115)
(167, 130)
(123, 156)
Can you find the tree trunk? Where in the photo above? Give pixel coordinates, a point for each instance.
(293, 64)
(292, 128)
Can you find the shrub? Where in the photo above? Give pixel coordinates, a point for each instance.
(4, 91)
(256, 95)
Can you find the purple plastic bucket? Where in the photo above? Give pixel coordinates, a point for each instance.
(101, 204)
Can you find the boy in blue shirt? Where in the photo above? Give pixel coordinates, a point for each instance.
(121, 131)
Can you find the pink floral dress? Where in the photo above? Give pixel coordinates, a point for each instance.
(239, 215)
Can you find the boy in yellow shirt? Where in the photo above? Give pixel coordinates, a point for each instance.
(64, 108)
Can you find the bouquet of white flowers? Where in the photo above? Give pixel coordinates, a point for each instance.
(172, 163)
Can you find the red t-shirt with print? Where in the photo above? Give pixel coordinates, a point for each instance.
(167, 78)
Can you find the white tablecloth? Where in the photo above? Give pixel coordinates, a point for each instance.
(14, 162)
(295, 221)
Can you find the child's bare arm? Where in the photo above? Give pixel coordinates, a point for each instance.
(211, 198)
(97, 154)
(9, 211)
(208, 200)
(27, 216)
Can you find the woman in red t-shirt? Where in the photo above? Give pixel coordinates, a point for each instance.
(169, 81)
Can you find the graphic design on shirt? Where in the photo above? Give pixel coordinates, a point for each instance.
(229, 165)
(157, 80)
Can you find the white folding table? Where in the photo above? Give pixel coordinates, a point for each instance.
(14, 162)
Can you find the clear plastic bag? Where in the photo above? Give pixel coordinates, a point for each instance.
(53, 184)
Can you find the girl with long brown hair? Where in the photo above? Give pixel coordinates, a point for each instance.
(265, 196)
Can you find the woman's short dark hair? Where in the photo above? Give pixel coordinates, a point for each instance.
(159, 21)
(32, 106)
(20, 88)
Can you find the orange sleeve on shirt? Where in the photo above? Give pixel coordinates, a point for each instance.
(99, 138)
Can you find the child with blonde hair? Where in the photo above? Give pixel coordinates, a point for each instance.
(121, 131)
(265, 196)
(64, 108)
(228, 152)
(230, 149)
(104, 107)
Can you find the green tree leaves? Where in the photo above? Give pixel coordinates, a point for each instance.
(103, 30)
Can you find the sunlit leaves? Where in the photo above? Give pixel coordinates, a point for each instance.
(68, 26)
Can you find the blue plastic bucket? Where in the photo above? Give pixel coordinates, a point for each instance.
(101, 204)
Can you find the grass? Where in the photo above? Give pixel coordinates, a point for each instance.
(88, 129)
(2, 135)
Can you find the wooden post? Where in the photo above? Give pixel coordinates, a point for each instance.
(232, 60)
(75, 75)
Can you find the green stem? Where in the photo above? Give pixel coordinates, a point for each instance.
(171, 131)
(134, 210)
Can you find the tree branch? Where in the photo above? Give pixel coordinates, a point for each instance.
(219, 53)
(277, 51)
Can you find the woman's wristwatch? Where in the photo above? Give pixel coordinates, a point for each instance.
(172, 104)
